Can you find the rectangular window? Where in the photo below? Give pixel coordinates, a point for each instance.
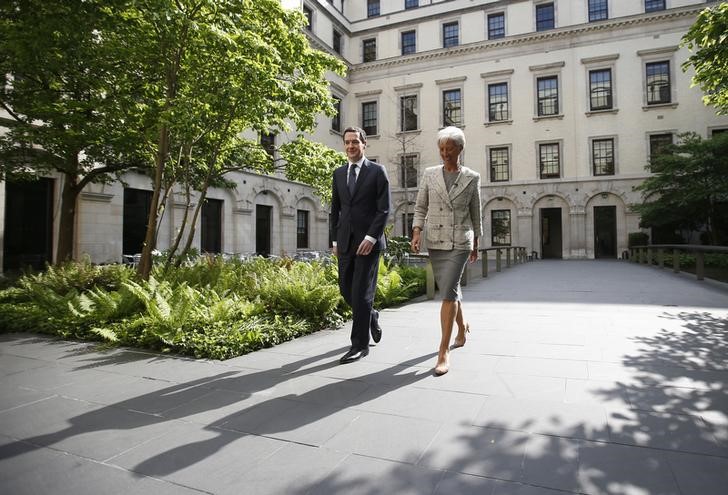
(548, 95)
(372, 8)
(302, 229)
(409, 42)
(658, 82)
(408, 170)
(370, 50)
(603, 156)
(499, 167)
(549, 160)
(451, 107)
(411, 4)
(450, 34)
(496, 25)
(500, 221)
(408, 113)
(336, 119)
(337, 42)
(268, 142)
(369, 117)
(545, 18)
(654, 5)
(658, 143)
(407, 221)
(498, 102)
(600, 89)
(309, 16)
(598, 10)
(211, 226)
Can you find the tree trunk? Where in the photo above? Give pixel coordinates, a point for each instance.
(145, 264)
(67, 220)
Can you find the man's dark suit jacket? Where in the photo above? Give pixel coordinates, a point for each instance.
(366, 212)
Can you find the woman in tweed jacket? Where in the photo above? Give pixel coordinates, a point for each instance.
(448, 200)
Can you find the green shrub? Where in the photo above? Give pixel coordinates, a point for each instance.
(637, 239)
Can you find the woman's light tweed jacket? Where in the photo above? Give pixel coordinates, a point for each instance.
(453, 218)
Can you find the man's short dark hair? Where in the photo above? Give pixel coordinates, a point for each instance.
(358, 130)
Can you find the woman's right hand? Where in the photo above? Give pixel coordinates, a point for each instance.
(415, 244)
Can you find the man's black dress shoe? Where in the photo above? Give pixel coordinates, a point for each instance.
(375, 328)
(353, 355)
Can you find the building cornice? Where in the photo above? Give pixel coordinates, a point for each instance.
(523, 40)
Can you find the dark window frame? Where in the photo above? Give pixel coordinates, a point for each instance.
(545, 16)
(654, 5)
(450, 34)
(601, 96)
(411, 4)
(449, 108)
(499, 163)
(658, 83)
(308, 12)
(373, 8)
(500, 217)
(370, 117)
(302, 229)
(336, 41)
(547, 92)
(549, 162)
(602, 152)
(408, 163)
(369, 50)
(498, 102)
(658, 141)
(336, 119)
(598, 10)
(496, 25)
(408, 40)
(408, 113)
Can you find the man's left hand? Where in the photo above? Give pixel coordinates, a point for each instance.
(365, 248)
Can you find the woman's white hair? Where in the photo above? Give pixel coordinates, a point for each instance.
(454, 134)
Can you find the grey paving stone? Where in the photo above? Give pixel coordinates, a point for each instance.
(14, 396)
(385, 437)
(358, 475)
(551, 462)
(89, 430)
(585, 421)
(506, 488)
(666, 431)
(311, 424)
(435, 405)
(610, 394)
(206, 459)
(10, 364)
(464, 484)
(611, 468)
(478, 451)
(215, 407)
(560, 368)
(534, 387)
(289, 470)
(45, 471)
(699, 474)
(45, 378)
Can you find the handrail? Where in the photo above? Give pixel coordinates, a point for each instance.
(519, 255)
(644, 255)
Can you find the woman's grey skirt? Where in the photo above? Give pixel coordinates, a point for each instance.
(448, 266)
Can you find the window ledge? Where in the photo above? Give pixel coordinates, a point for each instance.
(601, 112)
(645, 108)
(335, 132)
(536, 118)
(498, 122)
(405, 133)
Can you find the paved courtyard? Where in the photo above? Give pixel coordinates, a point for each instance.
(579, 377)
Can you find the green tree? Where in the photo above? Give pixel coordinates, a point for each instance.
(708, 38)
(214, 68)
(66, 105)
(689, 186)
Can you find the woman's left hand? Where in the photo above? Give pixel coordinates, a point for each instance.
(473, 256)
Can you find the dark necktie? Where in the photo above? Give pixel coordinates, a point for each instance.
(351, 183)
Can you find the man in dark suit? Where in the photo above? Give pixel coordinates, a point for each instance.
(359, 209)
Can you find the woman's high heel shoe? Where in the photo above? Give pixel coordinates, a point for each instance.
(458, 342)
(443, 365)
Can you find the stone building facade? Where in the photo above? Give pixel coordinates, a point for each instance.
(561, 101)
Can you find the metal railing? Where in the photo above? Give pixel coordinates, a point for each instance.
(646, 255)
(513, 255)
